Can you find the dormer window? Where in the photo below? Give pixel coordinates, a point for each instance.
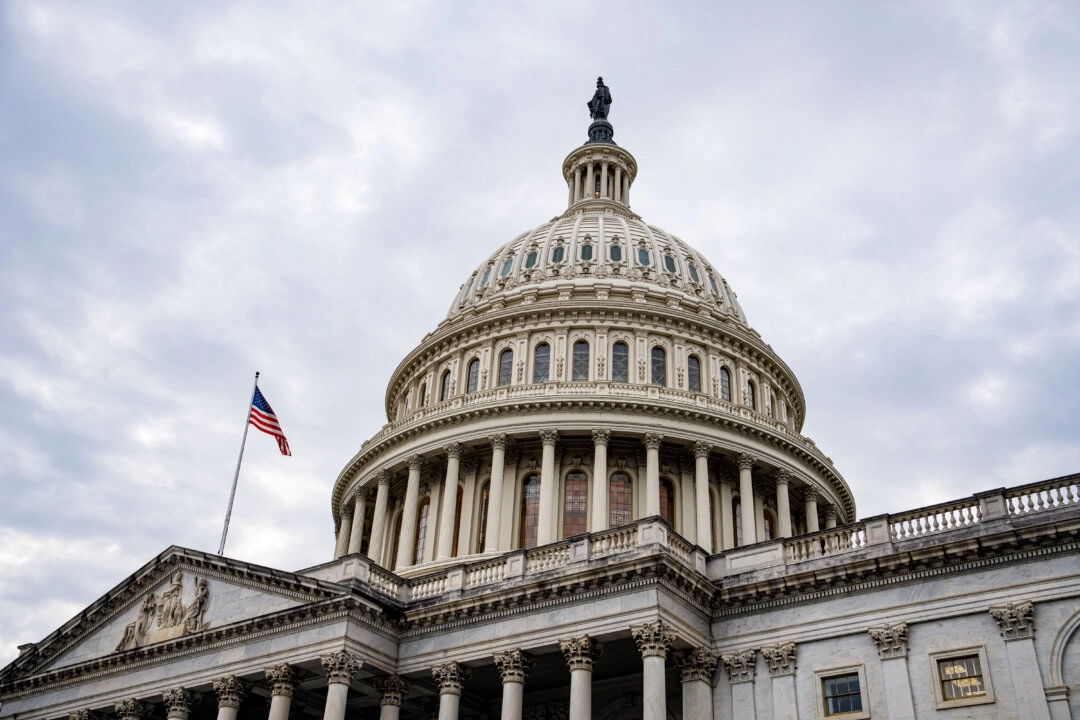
(693, 272)
(506, 267)
(558, 254)
(616, 253)
(530, 260)
(669, 263)
(487, 274)
(643, 256)
(586, 251)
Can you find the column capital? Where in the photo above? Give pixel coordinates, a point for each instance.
(360, 495)
(701, 449)
(513, 665)
(392, 689)
(130, 709)
(601, 437)
(832, 514)
(653, 638)
(178, 702)
(781, 658)
(783, 476)
(698, 664)
(348, 509)
(82, 715)
(1016, 619)
(451, 677)
(746, 461)
(282, 679)
(415, 462)
(652, 441)
(549, 437)
(453, 450)
(382, 477)
(891, 639)
(581, 651)
(499, 442)
(810, 494)
(340, 667)
(230, 691)
(741, 664)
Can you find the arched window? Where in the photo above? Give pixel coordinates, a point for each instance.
(667, 501)
(394, 537)
(422, 513)
(506, 367)
(474, 376)
(725, 384)
(457, 519)
(620, 497)
(620, 362)
(693, 374)
(444, 388)
(770, 525)
(581, 361)
(530, 510)
(576, 505)
(736, 513)
(541, 363)
(659, 367)
(423, 395)
(750, 399)
(481, 541)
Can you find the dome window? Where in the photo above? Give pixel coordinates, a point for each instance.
(530, 260)
(506, 367)
(581, 362)
(444, 388)
(541, 363)
(558, 254)
(693, 272)
(716, 290)
(468, 288)
(507, 266)
(643, 256)
(530, 511)
(620, 362)
(725, 384)
(586, 252)
(474, 377)
(659, 367)
(484, 281)
(669, 263)
(751, 401)
(616, 253)
(693, 374)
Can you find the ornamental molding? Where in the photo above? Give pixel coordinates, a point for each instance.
(891, 640)
(282, 679)
(581, 651)
(230, 691)
(653, 639)
(699, 664)
(340, 666)
(130, 709)
(392, 689)
(168, 617)
(451, 677)
(514, 665)
(178, 702)
(741, 665)
(780, 657)
(1016, 620)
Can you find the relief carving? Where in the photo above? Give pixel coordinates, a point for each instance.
(173, 618)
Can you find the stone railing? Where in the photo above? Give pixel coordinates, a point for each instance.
(485, 573)
(825, 543)
(612, 542)
(935, 519)
(547, 557)
(1047, 495)
(385, 581)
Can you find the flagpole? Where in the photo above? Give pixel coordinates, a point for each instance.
(236, 476)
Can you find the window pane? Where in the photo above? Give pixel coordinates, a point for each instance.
(725, 384)
(444, 392)
(586, 252)
(530, 510)
(750, 399)
(693, 272)
(457, 520)
(712, 282)
(620, 363)
(506, 267)
(506, 367)
(557, 254)
(842, 694)
(541, 363)
(581, 361)
(693, 374)
(482, 530)
(643, 256)
(483, 283)
(961, 677)
(421, 529)
(669, 263)
(474, 376)
(659, 367)
(616, 253)
(667, 501)
(576, 504)
(530, 259)
(619, 497)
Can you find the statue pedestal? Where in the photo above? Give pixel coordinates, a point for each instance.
(601, 131)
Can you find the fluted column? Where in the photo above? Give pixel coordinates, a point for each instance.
(626, 190)
(600, 515)
(810, 497)
(697, 669)
(618, 183)
(378, 520)
(653, 641)
(783, 504)
(407, 538)
(892, 643)
(495, 492)
(603, 180)
(701, 496)
(741, 667)
(746, 499)
(282, 679)
(590, 185)
(727, 522)
(340, 667)
(445, 547)
(580, 653)
(549, 489)
(577, 184)
(392, 690)
(1016, 620)
(781, 660)
(513, 666)
(356, 538)
(451, 678)
(230, 693)
(652, 473)
(341, 546)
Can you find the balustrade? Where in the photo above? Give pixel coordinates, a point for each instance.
(1047, 495)
(935, 519)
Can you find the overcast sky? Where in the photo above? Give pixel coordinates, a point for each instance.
(190, 192)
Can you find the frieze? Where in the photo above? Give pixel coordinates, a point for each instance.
(168, 617)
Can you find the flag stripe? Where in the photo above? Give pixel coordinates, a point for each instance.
(263, 418)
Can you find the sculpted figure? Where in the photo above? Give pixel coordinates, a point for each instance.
(601, 101)
(171, 609)
(193, 617)
(146, 616)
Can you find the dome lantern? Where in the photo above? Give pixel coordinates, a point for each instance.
(599, 171)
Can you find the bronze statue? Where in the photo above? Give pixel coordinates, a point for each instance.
(601, 101)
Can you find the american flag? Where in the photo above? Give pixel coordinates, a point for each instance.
(262, 417)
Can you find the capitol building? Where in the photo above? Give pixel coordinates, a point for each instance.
(592, 498)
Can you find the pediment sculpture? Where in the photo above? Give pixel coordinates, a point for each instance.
(168, 617)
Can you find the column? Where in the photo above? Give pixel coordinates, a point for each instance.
(831, 516)
(746, 499)
(618, 183)
(549, 489)
(357, 535)
(340, 667)
(392, 689)
(407, 538)
(626, 190)
(178, 702)
(509, 503)
(892, 647)
(344, 530)
(451, 678)
(282, 679)
(741, 667)
(449, 501)
(589, 184)
(600, 515)
(701, 496)
(697, 669)
(653, 642)
(577, 183)
(603, 180)
(810, 498)
(230, 692)
(132, 709)
(783, 504)
(495, 492)
(513, 666)
(580, 653)
(781, 660)
(1016, 620)
(378, 520)
(652, 473)
(727, 522)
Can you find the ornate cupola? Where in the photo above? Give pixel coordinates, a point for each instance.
(599, 171)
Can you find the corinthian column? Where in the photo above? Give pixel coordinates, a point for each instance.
(495, 492)
(810, 498)
(652, 473)
(892, 647)
(340, 668)
(580, 653)
(549, 489)
(178, 702)
(344, 530)
(392, 690)
(653, 641)
(445, 548)
(282, 681)
(356, 537)
(741, 667)
(746, 499)
(407, 538)
(697, 669)
(230, 693)
(600, 515)
(781, 660)
(513, 666)
(783, 503)
(378, 521)
(1016, 620)
(451, 678)
(130, 709)
(701, 496)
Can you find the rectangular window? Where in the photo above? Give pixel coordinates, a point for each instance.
(842, 694)
(961, 678)
(541, 363)
(620, 363)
